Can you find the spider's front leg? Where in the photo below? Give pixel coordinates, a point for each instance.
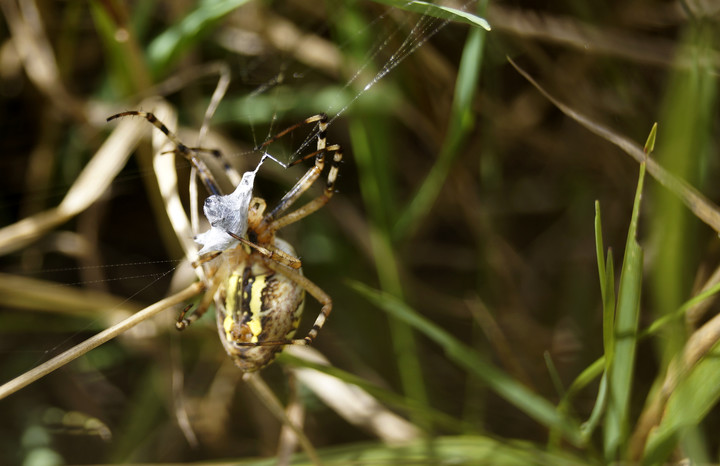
(275, 220)
(190, 153)
(271, 252)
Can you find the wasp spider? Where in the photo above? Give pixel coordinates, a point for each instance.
(254, 277)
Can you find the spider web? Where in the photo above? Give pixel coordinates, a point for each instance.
(229, 212)
(402, 34)
(396, 34)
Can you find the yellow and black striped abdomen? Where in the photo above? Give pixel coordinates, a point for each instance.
(262, 310)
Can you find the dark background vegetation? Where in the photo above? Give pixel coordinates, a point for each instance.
(501, 255)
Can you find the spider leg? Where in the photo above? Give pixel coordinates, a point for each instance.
(182, 321)
(190, 153)
(315, 291)
(205, 258)
(273, 221)
(320, 117)
(270, 252)
(232, 174)
(319, 201)
(304, 183)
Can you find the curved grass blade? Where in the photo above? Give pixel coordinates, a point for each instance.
(92, 182)
(460, 126)
(438, 11)
(525, 400)
(76, 351)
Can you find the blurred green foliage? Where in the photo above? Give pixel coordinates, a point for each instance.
(460, 251)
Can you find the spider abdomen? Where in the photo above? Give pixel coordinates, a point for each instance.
(260, 312)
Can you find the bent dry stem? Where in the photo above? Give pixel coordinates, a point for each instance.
(62, 359)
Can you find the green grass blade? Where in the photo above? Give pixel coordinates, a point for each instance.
(609, 311)
(600, 366)
(609, 344)
(607, 286)
(685, 152)
(372, 136)
(438, 11)
(620, 370)
(681, 311)
(588, 427)
(607, 290)
(687, 119)
(528, 402)
(650, 143)
(586, 377)
(461, 124)
(128, 70)
(166, 48)
(688, 405)
(600, 250)
(375, 197)
(465, 449)
(593, 371)
(554, 374)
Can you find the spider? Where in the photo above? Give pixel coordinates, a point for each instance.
(254, 277)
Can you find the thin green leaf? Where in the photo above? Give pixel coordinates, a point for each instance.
(650, 143)
(585, 378)
(171, 44)
(609, 344)
(600, 249)
(609, 309)
(688, 405)
(128, 70)
(607, 286)
(682, 310)
(461, 124)
(589, 427)
(593, 371)
(528, 402)
(554, 374)
(620, 371)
